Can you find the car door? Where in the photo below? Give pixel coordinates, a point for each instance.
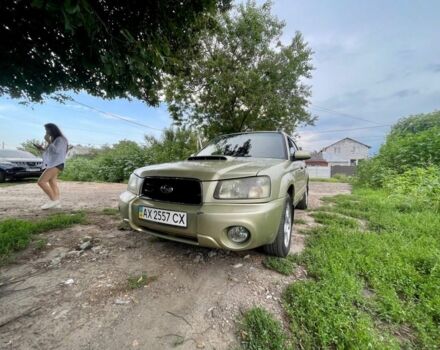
(298, 168)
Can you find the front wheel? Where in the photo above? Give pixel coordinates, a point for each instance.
(2, 176)
(304, 202)
(281, 246)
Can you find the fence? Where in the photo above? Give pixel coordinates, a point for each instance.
(347, 170)
(326, 172)
(320, 172)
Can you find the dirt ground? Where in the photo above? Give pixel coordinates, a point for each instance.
(60, 297)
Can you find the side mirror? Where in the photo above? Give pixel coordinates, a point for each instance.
(301, 155)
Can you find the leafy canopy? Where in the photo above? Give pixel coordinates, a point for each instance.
(107, 48)
(246, 78)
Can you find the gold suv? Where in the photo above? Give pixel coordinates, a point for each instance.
(237, 193)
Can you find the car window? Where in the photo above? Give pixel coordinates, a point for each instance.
(7, 153)
(257, 145)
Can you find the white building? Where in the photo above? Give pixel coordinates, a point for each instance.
(345, 152)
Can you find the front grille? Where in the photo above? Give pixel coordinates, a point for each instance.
(175, 190)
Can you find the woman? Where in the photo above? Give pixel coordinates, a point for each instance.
(54, 156)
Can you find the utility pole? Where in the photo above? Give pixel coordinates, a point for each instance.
(3, 145)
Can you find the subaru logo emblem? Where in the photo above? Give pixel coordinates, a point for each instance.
(166, 189)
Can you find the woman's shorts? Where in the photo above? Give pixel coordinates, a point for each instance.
(60, 167)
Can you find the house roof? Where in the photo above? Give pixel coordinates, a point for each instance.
(346, 138)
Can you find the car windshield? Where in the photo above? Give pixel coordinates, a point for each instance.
(6, 153)
(258, 145)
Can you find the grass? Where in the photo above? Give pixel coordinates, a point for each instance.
(16, 234)
(285, 266)
(335, 179)
(139, 281)
(110, 211)
(300, 221)
(376, 289)
(40, 243)
(397, 261)
(259, 330)
(329, 218)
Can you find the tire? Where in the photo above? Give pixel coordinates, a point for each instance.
(2, 176)
(281, 246)
(304, 202)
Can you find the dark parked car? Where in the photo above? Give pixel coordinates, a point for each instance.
(16, 164)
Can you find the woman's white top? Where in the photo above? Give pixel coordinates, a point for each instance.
(55, 153)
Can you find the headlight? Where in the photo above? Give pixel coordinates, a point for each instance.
(246, 188)
(134, 184)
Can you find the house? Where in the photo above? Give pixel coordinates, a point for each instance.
(316, 159)
(345, 152)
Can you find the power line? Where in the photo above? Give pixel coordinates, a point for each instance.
(340, 130)
(325, 109)
(117, 116)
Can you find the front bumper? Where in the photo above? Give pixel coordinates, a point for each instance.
(24, 174)
(208, 223)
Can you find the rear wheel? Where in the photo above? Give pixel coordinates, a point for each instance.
(281, 246)
(2, 176)
(304, 202)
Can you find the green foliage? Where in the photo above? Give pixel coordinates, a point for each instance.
(16, 234)
(28, 146)
(416, 123)
(139, 281)
(116, 163)
(285, 266)
(376, 289)
(245, 78)
(421, 185)
(260, 331)
(111, 164)
(421, 149)
(107, 48)
(110, 211)
(175, 145)
(413, 142)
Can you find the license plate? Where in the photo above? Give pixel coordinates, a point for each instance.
(169, 217)
(33, 169)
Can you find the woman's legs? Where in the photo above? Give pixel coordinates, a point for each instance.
(54, 186)
(44, 180)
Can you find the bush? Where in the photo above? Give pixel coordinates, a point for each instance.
(116, 163)
(420, 185)
(414, 142)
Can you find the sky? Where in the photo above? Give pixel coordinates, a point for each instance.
(375, 62)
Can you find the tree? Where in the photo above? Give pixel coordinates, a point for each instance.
(108, 48)
(29, 146)
(246, 79)
(175, 144)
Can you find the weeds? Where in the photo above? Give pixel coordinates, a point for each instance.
(40, 243)
(139, 281)
(259, 330)
(285, 266)
(397, 261)
(110, 211)
(16, 234)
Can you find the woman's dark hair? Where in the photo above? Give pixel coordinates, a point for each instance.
(53, 131)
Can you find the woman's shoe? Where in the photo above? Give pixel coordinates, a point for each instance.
(50, 204)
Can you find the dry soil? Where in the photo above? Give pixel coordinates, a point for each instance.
(60, 297)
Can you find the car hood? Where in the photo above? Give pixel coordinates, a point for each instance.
(209, 170)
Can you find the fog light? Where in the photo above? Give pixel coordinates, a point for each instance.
(238, 234)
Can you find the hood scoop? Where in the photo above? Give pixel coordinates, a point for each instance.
(208, 158)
